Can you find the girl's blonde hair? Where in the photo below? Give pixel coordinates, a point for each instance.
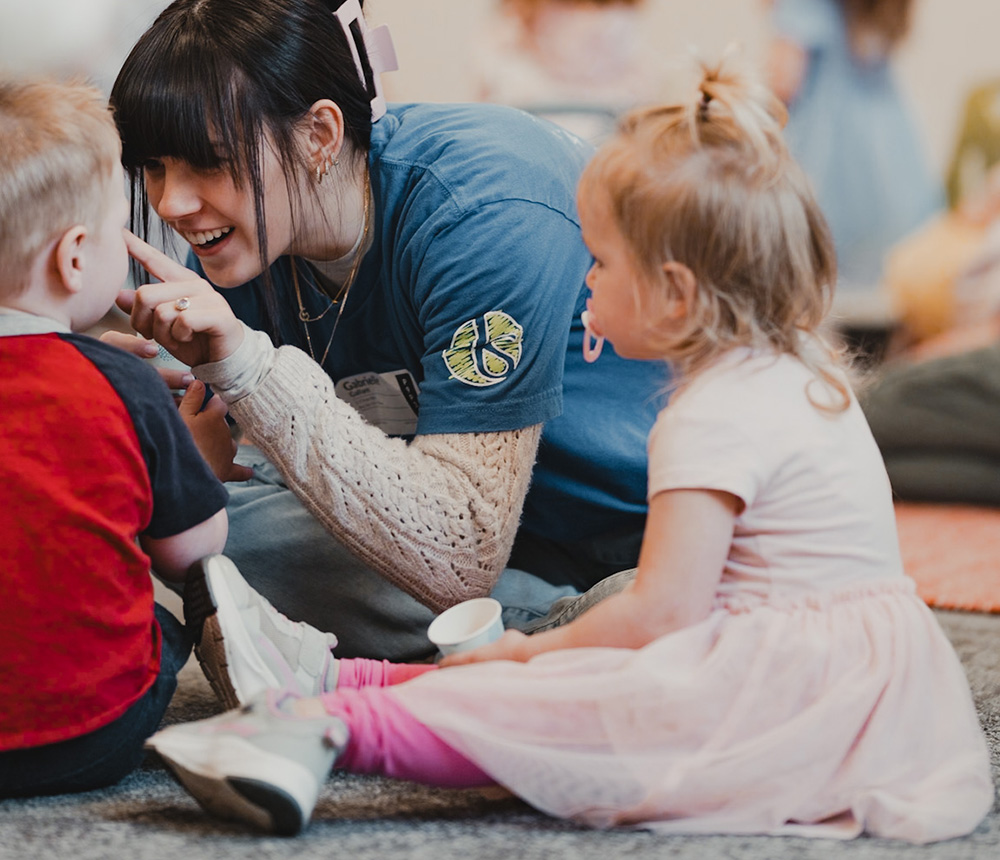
(711, 185)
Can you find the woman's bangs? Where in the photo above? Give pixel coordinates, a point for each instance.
(179, 105)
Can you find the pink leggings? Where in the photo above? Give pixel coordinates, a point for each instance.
(387, 739)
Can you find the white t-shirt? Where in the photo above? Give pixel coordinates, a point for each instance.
(817, 506)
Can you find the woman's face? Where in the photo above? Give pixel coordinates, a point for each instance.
(216, 217)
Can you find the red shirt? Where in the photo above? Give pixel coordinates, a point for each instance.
(92, 454)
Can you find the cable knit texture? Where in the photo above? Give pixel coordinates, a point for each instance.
(436, 517)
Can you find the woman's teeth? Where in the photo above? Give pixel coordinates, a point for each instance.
(207, 236)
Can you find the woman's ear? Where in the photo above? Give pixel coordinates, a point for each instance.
(324, 133)
(69, 258)
(681, 288)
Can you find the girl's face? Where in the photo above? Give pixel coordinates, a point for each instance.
(216, 217)
(614, 279)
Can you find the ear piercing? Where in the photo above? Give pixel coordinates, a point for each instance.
(323, 167)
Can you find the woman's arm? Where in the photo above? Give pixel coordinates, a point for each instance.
(436, 517)
(686, 543)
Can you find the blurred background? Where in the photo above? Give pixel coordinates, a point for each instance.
(953, 45)
(454, 50)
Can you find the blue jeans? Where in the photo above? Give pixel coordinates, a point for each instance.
(284, 553)
(108, 754)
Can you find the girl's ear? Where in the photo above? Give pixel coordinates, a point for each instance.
(681, 288)
(324, 131)
(69, 258)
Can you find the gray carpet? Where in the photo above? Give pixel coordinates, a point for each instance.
(363, 818)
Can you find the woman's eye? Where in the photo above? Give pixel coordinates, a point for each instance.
(152, 165)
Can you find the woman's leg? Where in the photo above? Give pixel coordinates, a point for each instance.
(285, 554)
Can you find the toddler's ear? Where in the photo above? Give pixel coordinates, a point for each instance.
(681, 288)
(69, 258)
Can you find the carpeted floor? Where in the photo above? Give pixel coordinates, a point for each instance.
(148, 816)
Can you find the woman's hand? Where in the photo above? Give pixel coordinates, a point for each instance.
(184, 313)
(513, 645)
(211, 433)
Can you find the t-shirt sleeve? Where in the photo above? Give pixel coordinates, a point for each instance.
(809, 23)
(496, 291)
(695, 444)
(184, 489)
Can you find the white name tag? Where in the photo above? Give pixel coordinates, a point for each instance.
(387, 400)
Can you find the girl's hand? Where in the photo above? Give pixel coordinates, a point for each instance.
(211, 433)
(184, 313)
(513, 645)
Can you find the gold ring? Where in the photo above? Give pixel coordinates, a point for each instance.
(182, 304)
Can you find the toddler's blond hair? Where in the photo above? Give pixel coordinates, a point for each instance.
(710, 184)
(58, 149)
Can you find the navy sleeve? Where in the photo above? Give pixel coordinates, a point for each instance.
(185, 491)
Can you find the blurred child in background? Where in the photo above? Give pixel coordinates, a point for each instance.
(576, 62)
(849, 126)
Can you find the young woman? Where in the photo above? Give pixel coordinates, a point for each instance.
(397, 317)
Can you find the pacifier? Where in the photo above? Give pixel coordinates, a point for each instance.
(593, 340)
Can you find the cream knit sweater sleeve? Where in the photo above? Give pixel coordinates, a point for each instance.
(436, 517)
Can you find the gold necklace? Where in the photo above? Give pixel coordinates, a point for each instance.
(341, 297)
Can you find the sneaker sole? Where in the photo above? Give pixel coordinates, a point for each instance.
(251, 798)
(207, 596)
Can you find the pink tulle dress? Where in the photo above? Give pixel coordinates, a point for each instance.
(819, 697)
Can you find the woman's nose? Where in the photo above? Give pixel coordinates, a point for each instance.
(173, 194)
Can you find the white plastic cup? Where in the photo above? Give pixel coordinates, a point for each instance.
(467, 625)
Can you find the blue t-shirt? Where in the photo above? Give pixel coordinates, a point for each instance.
(465, 313)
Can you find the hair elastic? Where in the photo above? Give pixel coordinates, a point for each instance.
(377, 45)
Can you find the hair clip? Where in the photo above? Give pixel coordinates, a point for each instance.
(377, 45)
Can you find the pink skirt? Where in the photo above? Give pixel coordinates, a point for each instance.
(819, 715)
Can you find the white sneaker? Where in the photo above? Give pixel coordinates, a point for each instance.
(262, 764)
(244, 645)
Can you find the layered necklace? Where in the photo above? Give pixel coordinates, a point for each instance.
(340, 299)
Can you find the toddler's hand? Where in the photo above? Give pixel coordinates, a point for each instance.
(211, 433)
(513, 645)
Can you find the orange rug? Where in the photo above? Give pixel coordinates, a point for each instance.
(953, 553)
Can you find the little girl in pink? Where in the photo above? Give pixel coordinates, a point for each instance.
(767, 668)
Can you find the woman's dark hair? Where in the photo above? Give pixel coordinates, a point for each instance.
(210, 80)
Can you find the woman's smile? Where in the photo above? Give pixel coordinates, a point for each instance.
(203, 240)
